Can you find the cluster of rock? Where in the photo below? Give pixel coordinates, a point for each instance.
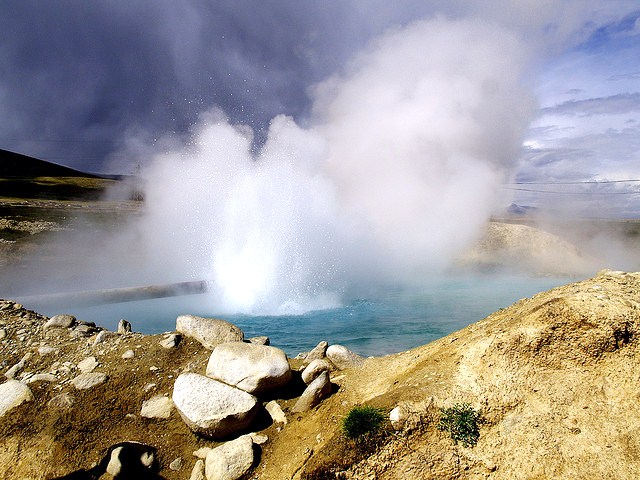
(222, 402)
(227, 398)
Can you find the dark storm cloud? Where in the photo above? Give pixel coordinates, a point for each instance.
(76, 76)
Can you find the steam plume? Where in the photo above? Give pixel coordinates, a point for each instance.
(394, 173)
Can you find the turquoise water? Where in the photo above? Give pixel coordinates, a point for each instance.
(386, 320)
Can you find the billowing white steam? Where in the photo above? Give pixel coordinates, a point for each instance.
(395, 175)
(395, 172)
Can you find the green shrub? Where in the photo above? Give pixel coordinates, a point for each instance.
(362, 421)
(462, 422)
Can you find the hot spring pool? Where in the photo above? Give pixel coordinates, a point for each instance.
(391, 320)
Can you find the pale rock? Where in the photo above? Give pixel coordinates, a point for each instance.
(64, 400)
(397, 417)
(275, 412)
(208, 331)
(318, 352)
(212, 408)
(104, 336)
(42, 377)
(198, 471)
(343, 358)
(313, 394)
(89, 380)
(314, 369)
(12, 394)
(261, 340)
(46, 350)
(15, 369)
(172, 341)
(252, 368)
(3, 333)
(88, 365)
(230, 460)
(176, 465)
(124, 326)
(202, 452)
(60, 321)
(82, 331)
(128, 354)
(157, 407)
(258, 438)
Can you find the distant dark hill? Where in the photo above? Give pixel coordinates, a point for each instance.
(26, 177)
(16, 165)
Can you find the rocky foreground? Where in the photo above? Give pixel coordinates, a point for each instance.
(556, 378)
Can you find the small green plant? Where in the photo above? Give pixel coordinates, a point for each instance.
(362, 421)
(462, 422)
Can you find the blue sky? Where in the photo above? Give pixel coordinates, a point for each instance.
(587, 128)
(84, 83)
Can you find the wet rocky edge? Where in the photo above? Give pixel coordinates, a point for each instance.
(204, 396)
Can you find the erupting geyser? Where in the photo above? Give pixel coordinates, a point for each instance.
(393, 174)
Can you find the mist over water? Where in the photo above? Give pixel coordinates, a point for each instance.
(394, 173)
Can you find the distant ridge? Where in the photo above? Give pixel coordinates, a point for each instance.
(17, 165)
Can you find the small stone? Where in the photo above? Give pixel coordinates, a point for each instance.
(319, 351)
(258, 438)
(124, 326)
(15, 369)
(176, 465)
(316, 391)
(315, 368)
(88, 380)
(42, 377)
(104, 336)
(82, 331)
(153, 368)
(231, 460)
(88, 365)
(397, 417)
(46, 350)
(12, 394)
(128, 354)
(64, 400)
(343, 358)
(3, 333)
(60, 321)
(275, 411)
(157, 407)
(172, 341)
(261, 340)
(198, 471)
(202, 452)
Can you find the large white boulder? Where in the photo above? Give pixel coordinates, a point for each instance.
(230, 460)
(250, 367)
(212, 408)
(343, 358)
(12, 394)
(208, 331)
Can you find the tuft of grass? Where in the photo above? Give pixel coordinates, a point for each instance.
(363, 421)
(462, 422)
